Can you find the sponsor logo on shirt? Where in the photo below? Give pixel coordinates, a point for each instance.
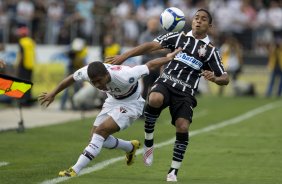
(190, 61)
(131, 80)
(165, 76)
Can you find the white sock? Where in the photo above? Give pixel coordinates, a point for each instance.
(115, 143)
(81, 163)
(175, 164)
(149, 136)
(91, 151)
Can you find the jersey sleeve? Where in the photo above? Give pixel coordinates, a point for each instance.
(215, 63)
(81, 74)
(168, 40)
(133, 74)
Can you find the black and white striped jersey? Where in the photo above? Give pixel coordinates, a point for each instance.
(184, 71)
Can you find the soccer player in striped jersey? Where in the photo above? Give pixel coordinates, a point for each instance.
(177, 85)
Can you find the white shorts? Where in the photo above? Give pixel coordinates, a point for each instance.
(123, 112)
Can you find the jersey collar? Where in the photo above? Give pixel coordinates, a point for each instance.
(206, 39)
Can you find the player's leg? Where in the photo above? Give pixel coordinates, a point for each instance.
(91, 151)
(181, 112)
(129, 147)
(180, 147)
(116, 143)
(124, 115)
(152, 110)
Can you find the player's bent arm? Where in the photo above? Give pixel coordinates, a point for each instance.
(222, 80)
(144, 48)
(157, 63)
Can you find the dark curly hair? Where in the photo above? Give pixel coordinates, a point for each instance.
(96, 69)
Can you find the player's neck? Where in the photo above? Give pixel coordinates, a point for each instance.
(199, 36)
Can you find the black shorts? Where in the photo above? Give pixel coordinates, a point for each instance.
(180, 104)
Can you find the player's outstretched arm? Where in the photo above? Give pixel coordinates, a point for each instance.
(157, 63)
(136, 51)
(47, 98)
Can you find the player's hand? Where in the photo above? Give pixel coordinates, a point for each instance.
(115, 60)
(171, 55)
(208, 75)
(109, 59)
(46, 99)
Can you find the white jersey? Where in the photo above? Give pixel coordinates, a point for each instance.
(124, 103)
(124, 80)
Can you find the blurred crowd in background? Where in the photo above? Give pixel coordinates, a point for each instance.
(243, 30)
(255, 23)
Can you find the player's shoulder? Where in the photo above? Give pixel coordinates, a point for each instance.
(168, 35)
(211, 45)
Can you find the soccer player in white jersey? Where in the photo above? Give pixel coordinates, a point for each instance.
(123, 105)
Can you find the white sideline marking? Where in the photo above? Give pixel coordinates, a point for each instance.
(222, 124)
(3, 163)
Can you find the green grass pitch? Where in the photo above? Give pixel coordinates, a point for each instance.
(249, 151)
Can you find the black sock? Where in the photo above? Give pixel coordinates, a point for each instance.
(180, 146)
(151, 115)
(149, 143)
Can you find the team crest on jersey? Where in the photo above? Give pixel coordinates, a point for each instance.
(202, 50)
(131, 80)
(122, 110)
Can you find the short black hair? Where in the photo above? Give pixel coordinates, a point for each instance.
(96, 69)
(209, 15)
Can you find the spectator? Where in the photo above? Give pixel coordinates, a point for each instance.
(55, 15)
(148, 35)
(26, 61)
(109, 46)
(275, 18)
(77, 58)
(38, 23)
(88, 98)
(3, 24)
(232, 59)
(25, 13)
(84, 16)
(275, 66)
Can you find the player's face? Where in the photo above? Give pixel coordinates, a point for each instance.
(200, 24)
(100, 82)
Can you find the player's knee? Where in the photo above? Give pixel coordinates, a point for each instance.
(156, 99)
(103, 131)
(182, 125)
